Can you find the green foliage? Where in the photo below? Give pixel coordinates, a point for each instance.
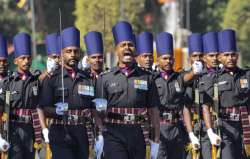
(237, 16)
(207, 15)
(90, 16)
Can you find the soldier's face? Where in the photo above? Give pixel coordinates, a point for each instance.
(211, 60)
(165, 62)
(145, 60)
(96, 61)
(3, 65)
(23, 63)
(229, 60)
(55, 57)
(125, 51)
(195, 56)
(71, 56)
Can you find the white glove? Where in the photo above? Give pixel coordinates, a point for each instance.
(154, 148)
(61, 108)
(4, 145)
(51, 65)
(83, 64)
(194, 141)
(214, 138)
(197, 67)
(100, 104)
(98, 147)
(45, 132)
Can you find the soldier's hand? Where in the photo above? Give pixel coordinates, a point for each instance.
(194, 141)
(61, 108)
(197, 67)
(214, 138)
(154, 148)
(83, 64)
(99, 143)
(51, 65)
(4, 145)
(45, 132)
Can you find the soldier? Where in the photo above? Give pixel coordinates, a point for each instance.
(144, 50)
(170, 85)
(65, 98)
(197, 45)
(52, 42)
(94, 48)
(24, 123)
(131, 94)
(230, 86)
(4, 82)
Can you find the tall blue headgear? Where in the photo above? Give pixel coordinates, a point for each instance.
(227, 41)
(123, 31)
(3, 47)
(195, 43)
(210, 42)
(52, 44)
(94, 43)
(164, 44)
(22, 44)
(70, 37)
(144, 43)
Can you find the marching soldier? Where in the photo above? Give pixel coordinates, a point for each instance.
(144, 50)
(131, 94)
(94, 48)
(52, 42)
(227, 92)
(4, 82)
(197, 45)
(25, 128)
(171, 90)
(66, 98)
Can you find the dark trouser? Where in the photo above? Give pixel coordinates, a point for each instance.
(124, 142)
(69, 143)
(205, 151)
(231, 132)
(173, 141)
(22, 141)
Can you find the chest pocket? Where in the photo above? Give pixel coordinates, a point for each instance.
(224, 86)
(175, 88)
(114, 88)
(15, 96)
(59, 93)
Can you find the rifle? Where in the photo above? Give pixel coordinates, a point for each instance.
(6, 117)
(216, 151)
(196, 153)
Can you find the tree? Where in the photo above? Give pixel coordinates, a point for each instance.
(90, 16)
(207, 15)
(237, 16)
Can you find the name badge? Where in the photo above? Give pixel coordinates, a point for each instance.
(141, 84)
(243, 83)
(35, 90)
(86, 90)
(177, 86)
